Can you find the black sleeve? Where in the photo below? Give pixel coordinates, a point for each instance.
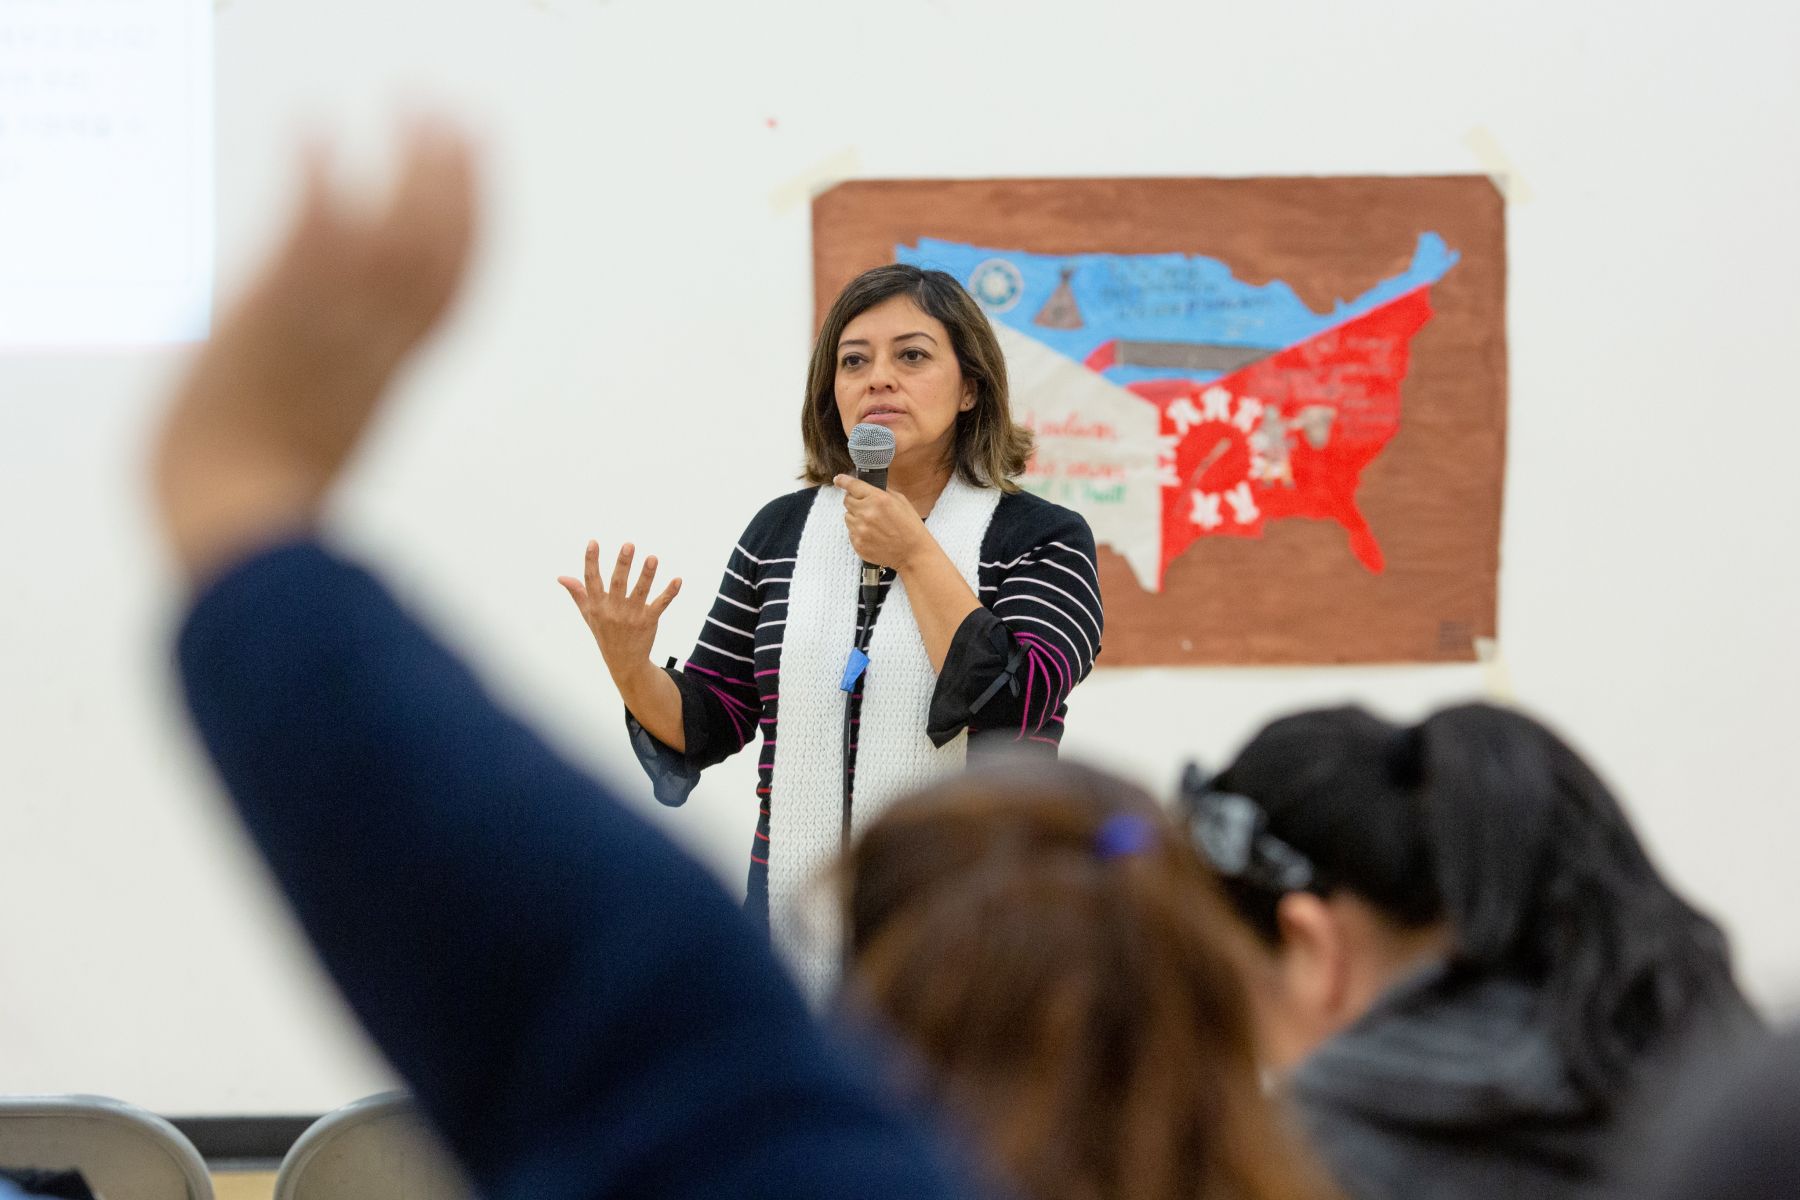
(1014, 661)
(719, 703)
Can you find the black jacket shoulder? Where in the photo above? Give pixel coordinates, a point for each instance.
(774, 531)
(1023, 521)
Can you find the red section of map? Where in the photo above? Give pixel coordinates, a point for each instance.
(1286, 436)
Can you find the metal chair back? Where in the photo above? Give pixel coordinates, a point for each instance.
(377, 1148)
(124, 1152)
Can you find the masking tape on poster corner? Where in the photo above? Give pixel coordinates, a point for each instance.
(828, 171)
(1486, 148)
(1496, 679)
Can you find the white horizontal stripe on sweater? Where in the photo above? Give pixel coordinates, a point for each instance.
(743, 633)
(726, 653)
(1010, 563)
(1053, 608)
(761, 562)
(1073, 599)
(1078, 575)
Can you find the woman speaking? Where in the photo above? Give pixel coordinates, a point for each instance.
(987, 616)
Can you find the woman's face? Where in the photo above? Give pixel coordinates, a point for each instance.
(896, 367)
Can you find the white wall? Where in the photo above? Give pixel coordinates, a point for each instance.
(628, 363)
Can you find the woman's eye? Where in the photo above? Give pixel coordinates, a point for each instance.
(850, 361)
(913, 355)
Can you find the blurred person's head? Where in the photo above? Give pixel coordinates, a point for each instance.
(1359, 850)
(1069, 977)
(910, 349)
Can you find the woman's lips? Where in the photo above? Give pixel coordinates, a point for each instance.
(883, 416)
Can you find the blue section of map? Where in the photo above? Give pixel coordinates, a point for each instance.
(1164, 298)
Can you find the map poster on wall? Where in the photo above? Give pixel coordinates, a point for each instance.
(1280, 403)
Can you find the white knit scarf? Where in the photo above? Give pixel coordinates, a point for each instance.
(893, 754)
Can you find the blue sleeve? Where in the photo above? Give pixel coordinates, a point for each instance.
(577, 1005)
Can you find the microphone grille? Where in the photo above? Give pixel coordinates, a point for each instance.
(871, 446)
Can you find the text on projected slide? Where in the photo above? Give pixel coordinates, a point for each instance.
(105, 171)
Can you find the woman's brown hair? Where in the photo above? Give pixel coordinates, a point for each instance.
(989, 450)
(1071, 982)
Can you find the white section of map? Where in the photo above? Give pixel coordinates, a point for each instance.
(1097, 447)
(105, 171)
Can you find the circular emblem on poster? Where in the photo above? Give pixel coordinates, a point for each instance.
(996, 284)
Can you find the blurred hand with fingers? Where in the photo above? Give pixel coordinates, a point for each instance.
(281, 394)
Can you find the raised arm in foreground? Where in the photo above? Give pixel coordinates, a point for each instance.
(576, 1004)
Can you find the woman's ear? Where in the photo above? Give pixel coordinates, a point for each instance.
(1315, 966)
(968, 397)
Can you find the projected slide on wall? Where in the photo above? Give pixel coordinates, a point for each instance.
(105, 172)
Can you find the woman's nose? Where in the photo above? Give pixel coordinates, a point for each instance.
(881, 375)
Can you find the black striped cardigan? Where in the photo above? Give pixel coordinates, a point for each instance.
(1006, 679)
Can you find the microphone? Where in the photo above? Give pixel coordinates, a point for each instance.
(871, 449)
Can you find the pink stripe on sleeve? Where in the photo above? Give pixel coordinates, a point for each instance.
(1025, 709)
(737, 726)
(1067, 673)
(1051, 694)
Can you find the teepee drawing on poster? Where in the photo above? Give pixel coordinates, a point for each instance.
(1060, 311)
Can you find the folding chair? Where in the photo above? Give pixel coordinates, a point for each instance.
(378, 1148)
(122, 1151)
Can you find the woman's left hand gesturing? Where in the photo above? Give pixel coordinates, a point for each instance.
(884, 527)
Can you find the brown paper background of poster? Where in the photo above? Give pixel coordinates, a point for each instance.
(1433, 495)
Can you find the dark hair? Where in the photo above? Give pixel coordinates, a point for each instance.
(989, 449)
(1485, 819)
(1072, 989)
